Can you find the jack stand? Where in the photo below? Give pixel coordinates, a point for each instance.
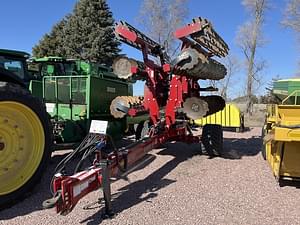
(105, 170)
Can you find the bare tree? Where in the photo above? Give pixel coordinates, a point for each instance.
(291, 20)
(292, 15)
(233, 66)
(249, 38)
(161, 18)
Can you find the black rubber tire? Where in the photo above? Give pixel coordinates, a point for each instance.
(263, 146)
(14, 92)
(212, 139)
(142, 130)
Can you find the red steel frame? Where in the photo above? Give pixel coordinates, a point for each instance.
(73, 188)
(180, 87)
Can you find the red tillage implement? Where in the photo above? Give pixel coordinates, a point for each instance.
(171, 94)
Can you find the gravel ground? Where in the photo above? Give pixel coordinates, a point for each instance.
(179, 186)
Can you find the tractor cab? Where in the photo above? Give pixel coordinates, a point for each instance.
(59, 66)
(13, 63)
(48, 66)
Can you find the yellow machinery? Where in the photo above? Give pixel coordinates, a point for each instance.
(281, 138)
(230, 116)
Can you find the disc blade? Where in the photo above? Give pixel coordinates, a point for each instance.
(198, 107)
(195, 108)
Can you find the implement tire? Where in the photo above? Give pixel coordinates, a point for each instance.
(25, 142)
(142, 130)
(212, 139)
(264, 131)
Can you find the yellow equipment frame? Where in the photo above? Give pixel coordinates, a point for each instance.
(282, 140)
(230, 116)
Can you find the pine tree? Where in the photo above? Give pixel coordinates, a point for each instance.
(52, 44)
(89, 32)
(85, 34)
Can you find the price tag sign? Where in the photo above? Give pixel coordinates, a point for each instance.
(50, 107)
(98, 127)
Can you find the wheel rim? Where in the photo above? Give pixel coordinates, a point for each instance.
(22, 142)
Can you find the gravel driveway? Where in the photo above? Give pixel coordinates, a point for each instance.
(178, 186)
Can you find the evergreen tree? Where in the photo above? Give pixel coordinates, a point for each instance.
(52, 44)
(89, 32)
(85, 34)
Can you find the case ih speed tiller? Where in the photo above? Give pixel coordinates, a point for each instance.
(171, 98)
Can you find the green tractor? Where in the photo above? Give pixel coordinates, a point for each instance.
(25, 130)
(45, 101)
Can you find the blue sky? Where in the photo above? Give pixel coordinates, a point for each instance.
(32, 18)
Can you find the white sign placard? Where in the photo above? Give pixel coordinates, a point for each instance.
(98, 126)
(50, 107)
(111, 89)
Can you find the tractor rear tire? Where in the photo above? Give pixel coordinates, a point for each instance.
(25, 142)
(212, 139)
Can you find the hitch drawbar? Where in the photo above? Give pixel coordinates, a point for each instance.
(68, 190)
